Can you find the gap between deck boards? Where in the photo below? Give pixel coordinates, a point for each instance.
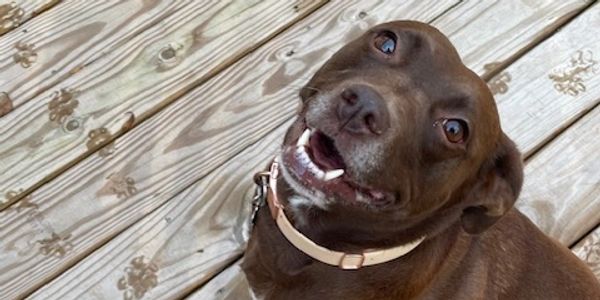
(38, 11)
(169, 101)
(45, 88)
(536, 41)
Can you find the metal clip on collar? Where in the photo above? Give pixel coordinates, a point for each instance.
(260, 193)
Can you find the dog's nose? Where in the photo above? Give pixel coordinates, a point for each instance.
(361, 110)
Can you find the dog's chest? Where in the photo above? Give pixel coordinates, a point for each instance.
(318, 281)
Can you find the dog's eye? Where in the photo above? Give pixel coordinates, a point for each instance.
(385, 42)
(455, 130)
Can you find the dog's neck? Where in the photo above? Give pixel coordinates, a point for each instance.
(285, 259)
(310, 222)
(314, 237)
(301, 218)
(416, 270)
(344, 235)
(286, 265)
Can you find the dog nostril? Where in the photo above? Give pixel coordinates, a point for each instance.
(372, 124)
(349, 96)
(361, 111)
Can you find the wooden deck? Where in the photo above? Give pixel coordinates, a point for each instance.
(129, 130)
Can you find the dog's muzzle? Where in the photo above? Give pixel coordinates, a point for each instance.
(266, 191)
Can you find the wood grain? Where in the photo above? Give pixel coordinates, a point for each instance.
(231, 284)
(143, 74)
(544, 92)
(51, 244)
(155, 163)
(70, 37)
(552, 85)
(15, 13)
(561, 193)
(588, 250)
(190, 136)
(191, 238)
(518, 26)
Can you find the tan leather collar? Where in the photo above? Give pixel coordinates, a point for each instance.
(346, 261)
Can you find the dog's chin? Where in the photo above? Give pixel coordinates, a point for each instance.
(315, 170)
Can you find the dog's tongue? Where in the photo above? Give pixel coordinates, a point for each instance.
(324, 152)
(377, 195)
(326, 156)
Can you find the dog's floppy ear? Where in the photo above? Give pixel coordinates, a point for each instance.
(496, 190)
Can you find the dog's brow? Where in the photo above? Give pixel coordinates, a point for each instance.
(455, 103)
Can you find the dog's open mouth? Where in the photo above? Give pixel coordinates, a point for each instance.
(315, 162)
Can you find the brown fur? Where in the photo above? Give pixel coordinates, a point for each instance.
(460, 196)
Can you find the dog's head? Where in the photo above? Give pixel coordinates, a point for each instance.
(396, 137)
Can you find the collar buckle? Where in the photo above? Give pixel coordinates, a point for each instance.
(351, 261)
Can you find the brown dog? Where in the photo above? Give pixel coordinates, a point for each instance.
(398, 149)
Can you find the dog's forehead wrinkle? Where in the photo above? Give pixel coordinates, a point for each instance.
(455, 107)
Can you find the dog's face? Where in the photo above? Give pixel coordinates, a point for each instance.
(394, 128)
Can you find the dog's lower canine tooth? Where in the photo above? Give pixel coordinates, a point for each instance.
(303, 140)
(333, 174)
(320, 174)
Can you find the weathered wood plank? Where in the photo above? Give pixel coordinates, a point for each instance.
(519, 25)
(538, 96)
(557, 78)
(221, 23)
(231, 284)
(588, 250)
(68, 38)
(15, 13)
(58, 128)
(561, 193)
(189, 239)
(151, 165)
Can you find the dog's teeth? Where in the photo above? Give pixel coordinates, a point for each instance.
(333, 174)
(303, 140)
(320, 174)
